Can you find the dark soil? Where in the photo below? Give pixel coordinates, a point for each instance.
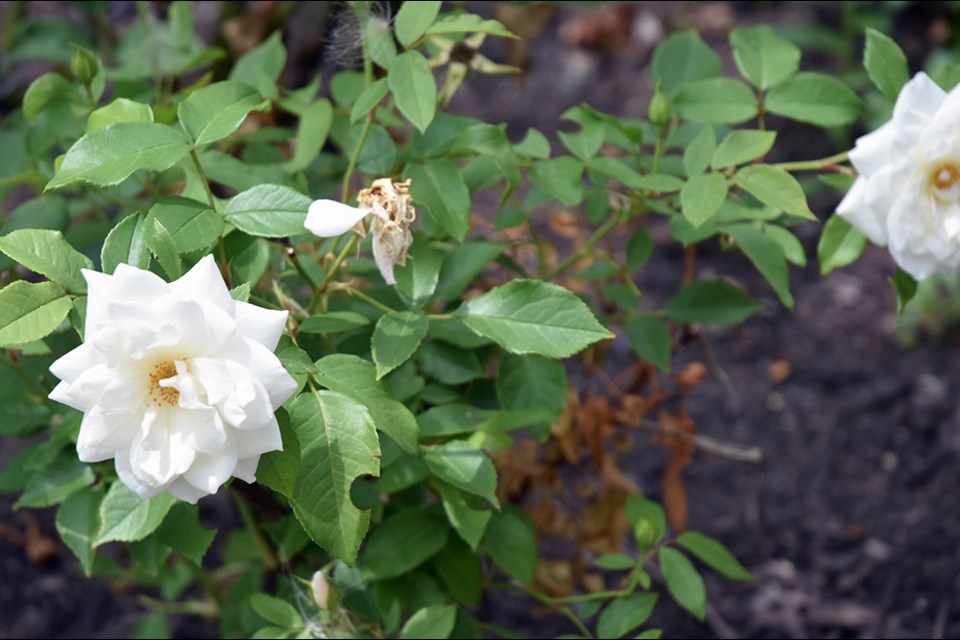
(851, 521)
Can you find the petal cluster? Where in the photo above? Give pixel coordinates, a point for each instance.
(908, 194)
(392, 209)
(177, 381)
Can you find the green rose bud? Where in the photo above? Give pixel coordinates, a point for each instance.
(84, 64)
(659, 110)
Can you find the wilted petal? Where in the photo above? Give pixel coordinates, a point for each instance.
(329, 218)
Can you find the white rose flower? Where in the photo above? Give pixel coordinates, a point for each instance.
(393, 212)
(908, 192)
(178, 382)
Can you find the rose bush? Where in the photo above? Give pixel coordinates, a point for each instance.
(908, 193)
(177, 382)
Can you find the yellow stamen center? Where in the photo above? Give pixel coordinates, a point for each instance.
(946, 176)
(163, 395)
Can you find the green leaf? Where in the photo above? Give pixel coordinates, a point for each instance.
(649, 340)
(773, 186)
(315, 122)
(463, 512)
(468, 23)
(840, 244)
(338, 444)
(711, 302)
(560, 178)
(511, 541)
(461, 571)
(269, 210)
(192, 225)
(767, 256)
(438, 184)
(109, 156)
(379, 153)
(885, 64)
(533, 145)
(465, 467)
(48, 253)
(262, 66)
(681, 59)
(30, 311)
(586, 143)
(532, 382)
(905, 286)
(78, 519)
(530, 316)
(164, 250)
(696, 157)
(279, 612)
(615, 562)
(815, 98)
(713, 554)
(369, 98)
(378, 38)
(462, 265)
(120, 110)
(790, 245)
(639, 248)
(182, 532)
(21, 415)
(216, 111)
(126, 517)
(625, 614)
(395, 338)
(414, 88)
(742, 146)
(660, 182)
(45, 89)
(435, 621)
(126, 244)
(419, 534)
(279, 469)
(417, 280)
(55, 484)
(413, 19)
(449, 364)
(334, 322)
(683, 582)
(701, 196)
(43, 212)
(356, 378)
(763, 57)
(716, 101)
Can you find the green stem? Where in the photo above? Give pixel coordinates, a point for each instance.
(267, 557)
(371, 301)
(203, 179)
(658, 150)
(612, 223)
(337, 262)
(813, 165)
(547, 600)
(295, 261)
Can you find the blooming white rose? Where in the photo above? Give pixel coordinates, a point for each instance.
(390, 204)
(908, 192)
(178, 382)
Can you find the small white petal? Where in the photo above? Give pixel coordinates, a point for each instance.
(872, 151)
(329, 218)
(263, 325)
(247, 469)
(855, 209)
(127, 284)
(253, 442)
(183, 490)
(204, 283)
(209, 471)
(264, 366)
(384, 260)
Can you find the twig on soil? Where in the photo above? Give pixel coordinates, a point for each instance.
(717, 370)
(729, 450)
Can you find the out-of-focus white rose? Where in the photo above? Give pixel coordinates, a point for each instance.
(393, 212)
(178, 382)
(908, 192)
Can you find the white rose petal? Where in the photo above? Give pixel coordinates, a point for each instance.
(178, 382)
(908, 192)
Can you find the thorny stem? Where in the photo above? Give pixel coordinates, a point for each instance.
(267, 557)
(813, 165)
(612, 223)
